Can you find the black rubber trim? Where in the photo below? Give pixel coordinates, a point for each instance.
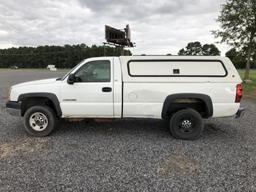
(169, 99)
(177, 60)
(13, 105)
(122, 104)
(50, 96)
(239, 112)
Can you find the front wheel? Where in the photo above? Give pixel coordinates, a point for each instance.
(39, 121)
(186, 124)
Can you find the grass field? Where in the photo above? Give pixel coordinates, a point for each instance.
(249, 88)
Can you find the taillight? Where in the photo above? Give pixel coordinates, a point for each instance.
(239, 93)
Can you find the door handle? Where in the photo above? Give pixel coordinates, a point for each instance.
(106, 89)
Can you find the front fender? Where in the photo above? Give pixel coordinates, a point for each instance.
(50, 96)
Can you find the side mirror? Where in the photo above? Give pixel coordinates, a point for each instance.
(71, 79)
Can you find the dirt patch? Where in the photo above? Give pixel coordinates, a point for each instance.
(22, 146)
(178, 164)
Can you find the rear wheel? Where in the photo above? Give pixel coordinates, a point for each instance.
(39, 121)
(186, 124)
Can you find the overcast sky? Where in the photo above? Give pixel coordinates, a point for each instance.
(157, 27)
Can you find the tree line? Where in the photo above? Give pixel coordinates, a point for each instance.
(66, 56)
(238, 28)
(196, 48)
(237, 21)
(237, 57)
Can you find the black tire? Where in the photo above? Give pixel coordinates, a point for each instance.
(48, 115)
(186, 124)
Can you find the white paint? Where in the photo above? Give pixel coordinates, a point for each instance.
(89, 100)
(142, 96)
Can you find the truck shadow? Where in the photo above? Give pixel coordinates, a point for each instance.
(114, 127)
(158, 128)
(219, 130)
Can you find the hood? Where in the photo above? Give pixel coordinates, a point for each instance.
(37, 82)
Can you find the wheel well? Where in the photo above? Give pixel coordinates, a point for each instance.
(32, 101)
(176, 104)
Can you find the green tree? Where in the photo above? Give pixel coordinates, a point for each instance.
(210, 49)
(238, 27)
(254, 57)
(238, 58)
(182, 52)
(196, 48)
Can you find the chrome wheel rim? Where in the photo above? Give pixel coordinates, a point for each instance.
(38, 121)
(186, 124)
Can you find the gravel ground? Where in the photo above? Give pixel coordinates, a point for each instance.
(125, 155)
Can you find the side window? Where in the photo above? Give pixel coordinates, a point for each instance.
(94, 71)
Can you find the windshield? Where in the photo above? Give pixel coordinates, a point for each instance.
(67, 74)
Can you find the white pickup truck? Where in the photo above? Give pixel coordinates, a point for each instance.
(180, 89)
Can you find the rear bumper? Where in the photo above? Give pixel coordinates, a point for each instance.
(240, 112)
(13, 108)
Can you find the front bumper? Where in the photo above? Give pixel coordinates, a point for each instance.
(240, 112)
(13, 108)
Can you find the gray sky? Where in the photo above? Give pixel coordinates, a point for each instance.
(157, 27)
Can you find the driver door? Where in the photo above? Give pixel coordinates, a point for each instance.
(91, 95)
